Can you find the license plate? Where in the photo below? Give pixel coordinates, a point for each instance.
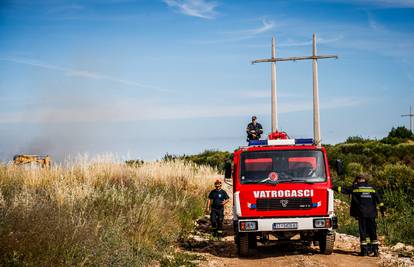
(286, 225)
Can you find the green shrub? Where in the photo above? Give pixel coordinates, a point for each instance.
(212, 158)
(346, 223)
(392, 140)
(390, 163)
(354, 168)
(356, 139)
(397, 226)
(400, 132)
(396, 176)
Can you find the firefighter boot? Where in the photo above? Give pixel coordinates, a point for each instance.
(370, 250)
(364, 250)
(214, 231)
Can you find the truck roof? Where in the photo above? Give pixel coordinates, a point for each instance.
(278, 147)
(280, 144)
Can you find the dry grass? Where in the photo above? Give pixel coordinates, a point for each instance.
(97, 212)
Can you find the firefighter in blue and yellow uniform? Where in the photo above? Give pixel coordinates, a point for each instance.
(364, 203)
(217, 199)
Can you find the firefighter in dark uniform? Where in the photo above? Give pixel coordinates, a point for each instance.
(365, 200)
(254, 130)
(217, 199)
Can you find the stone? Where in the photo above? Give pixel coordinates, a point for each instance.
(398, 247)
(409, 248)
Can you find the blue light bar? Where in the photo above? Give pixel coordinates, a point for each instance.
(304, 141)
(257, 142)
(281, 142)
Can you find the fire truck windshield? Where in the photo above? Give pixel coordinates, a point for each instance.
(282, 166)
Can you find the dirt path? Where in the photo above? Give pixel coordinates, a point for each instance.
(223, 252)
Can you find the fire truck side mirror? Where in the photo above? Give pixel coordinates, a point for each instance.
(227, 170)
(339, 167)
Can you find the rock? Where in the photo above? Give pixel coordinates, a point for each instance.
(387, 256)
(405, 254)
(198, 238)
(405, 262)
(203, 221)
(409, 248)
(398, 247)
(385, 249)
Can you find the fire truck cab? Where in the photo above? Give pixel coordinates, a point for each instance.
(282, 193)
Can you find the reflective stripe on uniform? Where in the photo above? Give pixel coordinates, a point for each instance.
(364, 190)
(364, 243)
(375, 242)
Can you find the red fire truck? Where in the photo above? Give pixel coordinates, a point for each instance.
(282, 193)
(281, 186)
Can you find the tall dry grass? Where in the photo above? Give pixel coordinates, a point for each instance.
(97, 212)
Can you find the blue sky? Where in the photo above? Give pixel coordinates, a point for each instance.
(145, 78)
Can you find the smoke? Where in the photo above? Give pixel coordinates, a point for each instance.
(48, 118)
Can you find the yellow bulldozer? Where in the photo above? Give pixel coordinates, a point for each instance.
(43, 161)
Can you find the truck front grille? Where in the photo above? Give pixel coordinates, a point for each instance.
(265, 204)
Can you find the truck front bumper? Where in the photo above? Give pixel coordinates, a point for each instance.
(287, 224)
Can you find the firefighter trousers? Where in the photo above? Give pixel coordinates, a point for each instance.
(367, 228)
(217, 217)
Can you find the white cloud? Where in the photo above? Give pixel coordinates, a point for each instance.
(77, 73)
(239, 35)
(194, 8)
(266, 26)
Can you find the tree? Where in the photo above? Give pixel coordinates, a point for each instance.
(401, 132)
(355, 139)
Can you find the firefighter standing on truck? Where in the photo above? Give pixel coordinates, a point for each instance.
(217, 199)
(254, 130)
(364, 203)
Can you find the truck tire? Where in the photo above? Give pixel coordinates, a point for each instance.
(326, 243)
(243, 245)
(236, 232)
(252, 241)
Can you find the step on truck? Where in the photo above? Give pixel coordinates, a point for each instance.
(282, 193)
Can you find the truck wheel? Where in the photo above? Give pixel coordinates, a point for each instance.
(252, 241)
(243, 245)
(236, 232)
(326, 243)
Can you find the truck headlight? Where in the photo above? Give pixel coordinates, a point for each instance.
(322, 223)
(248, 226)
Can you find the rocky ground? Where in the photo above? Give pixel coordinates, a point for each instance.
(223, 252)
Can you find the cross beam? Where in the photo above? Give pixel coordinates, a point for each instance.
(314, 58)
(411, 115)
(293, 58)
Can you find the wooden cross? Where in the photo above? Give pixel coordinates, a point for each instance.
(411, 115)
(314, 57)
